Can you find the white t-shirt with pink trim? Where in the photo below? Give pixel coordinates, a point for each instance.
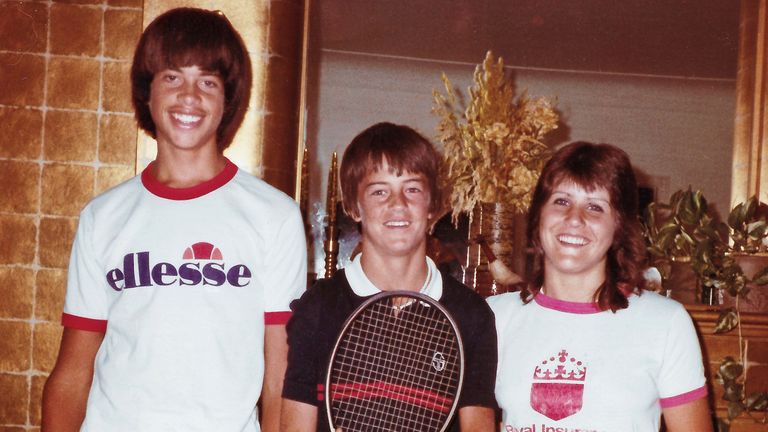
(182, 282)
(569, 367)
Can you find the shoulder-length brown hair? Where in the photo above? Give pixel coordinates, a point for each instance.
(593, 166)
(184, 37)
(404, 149)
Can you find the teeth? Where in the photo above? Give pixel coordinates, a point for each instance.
(186, 118)
(581, 241)
(397, 223)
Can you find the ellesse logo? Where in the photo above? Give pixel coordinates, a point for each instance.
(205, 266)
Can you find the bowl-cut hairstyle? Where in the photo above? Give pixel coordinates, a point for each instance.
(185, 37)
(404, 150)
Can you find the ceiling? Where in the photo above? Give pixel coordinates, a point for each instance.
(688, 38)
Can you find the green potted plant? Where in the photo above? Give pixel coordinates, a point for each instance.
(717, 253)
(683, 239)
(744, 268)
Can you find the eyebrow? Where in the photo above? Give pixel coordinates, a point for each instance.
(202, 70)
(589, 197)
(418, 178)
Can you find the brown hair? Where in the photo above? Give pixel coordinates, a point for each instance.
(593, 166)
(193, 37)
(404, 149)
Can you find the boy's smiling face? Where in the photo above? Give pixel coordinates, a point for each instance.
(394, 212)
(187, 105)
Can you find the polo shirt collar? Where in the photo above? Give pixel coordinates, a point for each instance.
(363, 287)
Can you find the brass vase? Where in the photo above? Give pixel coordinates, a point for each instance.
(495, 223)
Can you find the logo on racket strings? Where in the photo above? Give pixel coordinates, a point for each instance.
(438, 361)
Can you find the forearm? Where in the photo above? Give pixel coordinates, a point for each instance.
(270, 408)
(275, 353)
(65, 395)
(297, 416)
(477, 419)
(64, 402)
(693, 416)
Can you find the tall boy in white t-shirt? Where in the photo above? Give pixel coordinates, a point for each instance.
(180, 278)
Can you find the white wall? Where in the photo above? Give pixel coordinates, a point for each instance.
(678, 131)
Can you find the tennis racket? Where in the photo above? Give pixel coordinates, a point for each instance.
(398, 365)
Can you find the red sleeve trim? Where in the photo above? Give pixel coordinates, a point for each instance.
(277, 318)
(684, 398)
(81, 323)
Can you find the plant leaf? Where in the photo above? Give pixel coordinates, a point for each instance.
(735, 217)
(727, 321)
(757, 229)
(734, 410)
(723, 425)
(761, 278)
(750, 208)
(757, 401)
(730, 369)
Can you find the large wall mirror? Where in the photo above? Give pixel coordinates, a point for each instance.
(655, 77)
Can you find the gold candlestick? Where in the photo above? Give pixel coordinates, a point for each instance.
(304, 192)
(331, 245)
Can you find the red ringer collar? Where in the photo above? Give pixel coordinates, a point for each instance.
(180, 194)
(566, 306)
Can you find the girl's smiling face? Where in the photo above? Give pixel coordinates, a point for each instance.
(576, 230)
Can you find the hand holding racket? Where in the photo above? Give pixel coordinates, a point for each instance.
(398, 365)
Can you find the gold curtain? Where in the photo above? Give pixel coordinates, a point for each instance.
(750, 153)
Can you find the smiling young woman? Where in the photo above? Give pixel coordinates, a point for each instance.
(582, 346)
(576, 230)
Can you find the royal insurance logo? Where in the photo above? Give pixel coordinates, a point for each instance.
(204, 265)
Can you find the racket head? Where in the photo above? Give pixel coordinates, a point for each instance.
(395, 368)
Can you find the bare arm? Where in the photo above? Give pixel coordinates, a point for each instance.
(66, 392)
(298, 416)
(275, 359)
(476, 418)
(692, 416)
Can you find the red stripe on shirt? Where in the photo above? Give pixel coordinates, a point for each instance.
(81, 323)
(684, 398)
(276, 318)
(377, 389)
(321, 392)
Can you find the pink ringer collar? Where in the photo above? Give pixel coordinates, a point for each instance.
(181, 194)
(565, 306)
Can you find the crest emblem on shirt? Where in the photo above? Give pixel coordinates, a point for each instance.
(557, 390)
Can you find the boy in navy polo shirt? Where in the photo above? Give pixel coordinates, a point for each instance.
(390, 185)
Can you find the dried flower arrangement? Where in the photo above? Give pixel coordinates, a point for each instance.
(492, 149)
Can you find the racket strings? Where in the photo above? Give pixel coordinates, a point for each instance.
(412, 345)
(395, 371)
(422, 323)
